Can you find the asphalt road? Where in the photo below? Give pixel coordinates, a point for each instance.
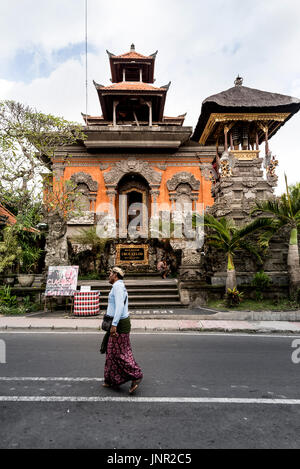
(199, 391)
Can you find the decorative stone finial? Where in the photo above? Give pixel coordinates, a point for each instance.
(132, 47)
(238, 81)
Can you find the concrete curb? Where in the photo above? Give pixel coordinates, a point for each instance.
(254, 316)
(11, 324)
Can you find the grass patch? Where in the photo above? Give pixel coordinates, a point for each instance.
(20, 308)
(254, 305)
(13, 311)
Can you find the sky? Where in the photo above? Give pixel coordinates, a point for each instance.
(202, 47)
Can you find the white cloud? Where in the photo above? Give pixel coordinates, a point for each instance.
(6, 87)
(54, 24)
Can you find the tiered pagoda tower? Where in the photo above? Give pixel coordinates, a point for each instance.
(132, 99)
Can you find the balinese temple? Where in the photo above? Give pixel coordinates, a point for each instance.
(134, 153)
(133, 149)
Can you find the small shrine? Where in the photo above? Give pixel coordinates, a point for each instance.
(236, 122)
(239, 123)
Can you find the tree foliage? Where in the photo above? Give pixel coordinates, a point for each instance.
(283, 211)
(10, 250)
(28, 141)
(89, 237)
(225, 236)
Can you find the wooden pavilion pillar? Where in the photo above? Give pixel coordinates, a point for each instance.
(149, 104)
(226, 129)
(115, 103)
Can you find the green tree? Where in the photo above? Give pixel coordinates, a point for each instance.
(10, 250)
(89, 237)
(223, 235)
(284, 212)
(28, 141)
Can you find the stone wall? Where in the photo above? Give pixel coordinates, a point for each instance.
(235, 197)
(197, 294)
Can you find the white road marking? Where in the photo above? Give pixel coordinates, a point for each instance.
(49, 378)
(167, 400)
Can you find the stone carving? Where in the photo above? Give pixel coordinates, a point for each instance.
(183, 178)
(270, 164)
(162, 166)
(226, 184)
(183, 197)
(226, 170)
(103, 166)
(132, 165)
(83, 197)
(58, 171)
(249, 184)
(207, 171)
(56, 242)
(84, 178)
(227, 163)
(183, 189)
(78, 248)
(189, 274)
(84, 218)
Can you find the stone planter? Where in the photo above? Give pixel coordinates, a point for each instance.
(9, 281)
(26, 280)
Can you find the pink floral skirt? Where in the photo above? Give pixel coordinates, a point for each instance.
(120, 365)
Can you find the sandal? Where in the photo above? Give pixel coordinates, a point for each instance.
(106, 385)
(134, 385)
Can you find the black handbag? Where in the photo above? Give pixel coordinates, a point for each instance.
(107, 320)
(106, 323)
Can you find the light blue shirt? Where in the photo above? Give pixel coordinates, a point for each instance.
(116, 298)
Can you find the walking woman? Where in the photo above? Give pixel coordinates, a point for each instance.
(120, 365)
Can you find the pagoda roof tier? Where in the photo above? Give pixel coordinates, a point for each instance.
(130, 97)
(130, 86)
(130, 137)
(133, 55)
(133, 62)
(7, 218)
(99, 120)
(241, 103)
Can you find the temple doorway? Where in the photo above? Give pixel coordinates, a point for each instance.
(133, 205)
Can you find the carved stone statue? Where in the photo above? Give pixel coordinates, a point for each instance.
(56, 243)
(183, 178)
(270, 164)
(132, 165)
(227, 163)
(84, 178)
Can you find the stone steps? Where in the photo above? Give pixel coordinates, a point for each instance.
(147, 305)
(148, 293)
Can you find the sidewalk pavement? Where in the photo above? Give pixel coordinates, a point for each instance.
(183, 323)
